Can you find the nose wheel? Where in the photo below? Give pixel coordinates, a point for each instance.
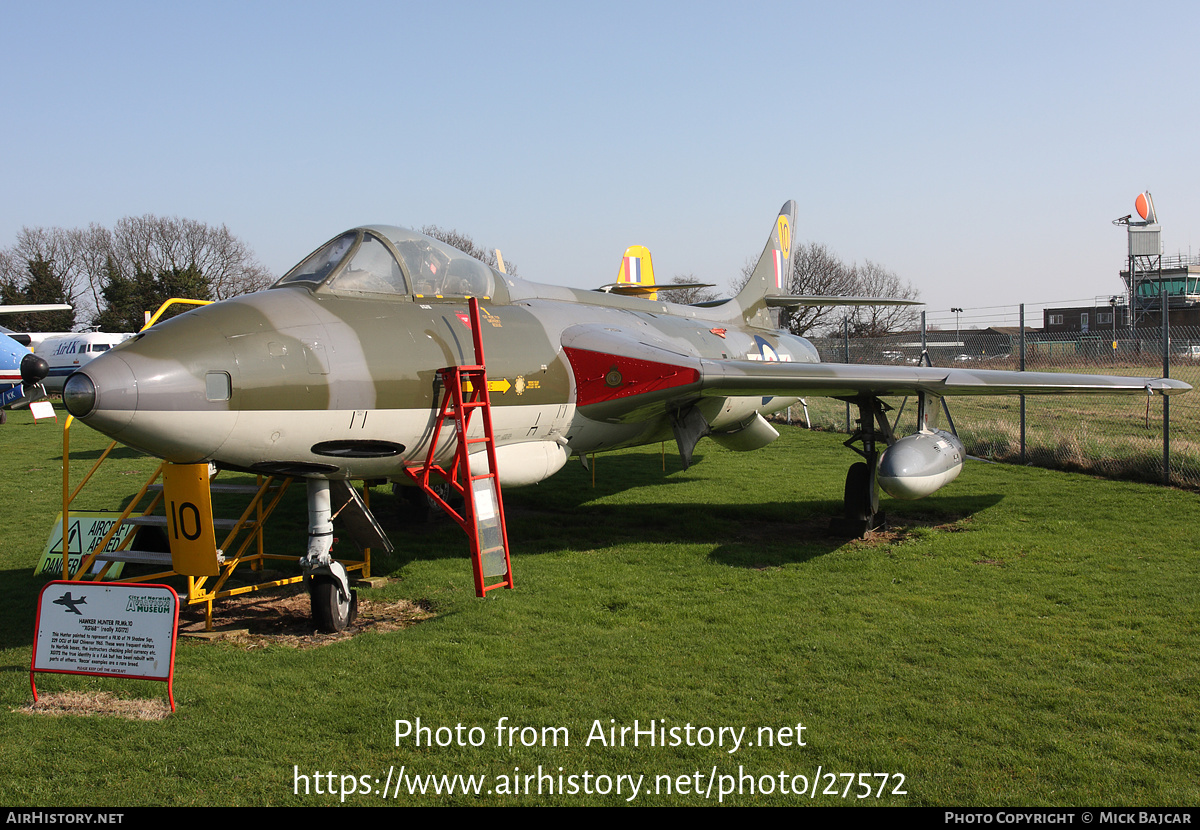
(333, 608)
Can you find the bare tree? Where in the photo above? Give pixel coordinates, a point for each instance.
(154, 244)
(42, 283)
(466, 244)
(94, 251)
(687, 296)
(873, 280)
(818, 272)
(55, 248)
(10, 270)
(84, 258)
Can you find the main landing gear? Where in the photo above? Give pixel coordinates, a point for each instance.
(860, 507)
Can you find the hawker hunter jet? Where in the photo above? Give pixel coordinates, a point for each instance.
(332, 374)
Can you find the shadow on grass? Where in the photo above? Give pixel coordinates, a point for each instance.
(633, 502)
(568, 514)
(18, 615)
(120, 452)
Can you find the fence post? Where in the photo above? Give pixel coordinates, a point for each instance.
(846, 359)
(924, 361)
(1166, 356)
(1022, 396)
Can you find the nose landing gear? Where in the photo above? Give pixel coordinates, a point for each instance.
(333, 606)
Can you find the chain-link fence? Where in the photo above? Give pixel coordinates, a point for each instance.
(1119, 436)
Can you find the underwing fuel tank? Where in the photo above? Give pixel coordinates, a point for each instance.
(919, 464)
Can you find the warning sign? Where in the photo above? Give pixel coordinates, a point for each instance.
(86, 531)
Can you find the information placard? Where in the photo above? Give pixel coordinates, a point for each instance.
(114, 629)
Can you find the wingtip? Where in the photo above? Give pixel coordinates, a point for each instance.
(1168, 386)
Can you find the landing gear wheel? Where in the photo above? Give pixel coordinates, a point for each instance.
(857, 504)
(330, 611)
(860, 515)
(424, 508)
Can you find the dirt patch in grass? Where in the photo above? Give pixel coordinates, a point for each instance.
(98, 703)
(901, 528)
(284, 617)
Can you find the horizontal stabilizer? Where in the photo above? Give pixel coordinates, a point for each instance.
(26, 309)
(791, 301)
(631, 289)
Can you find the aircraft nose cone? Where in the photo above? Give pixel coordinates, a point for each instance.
(33, 369)
(79, 394)
(104, 395)
(165, 393)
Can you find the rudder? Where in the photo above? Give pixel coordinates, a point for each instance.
(773, 273)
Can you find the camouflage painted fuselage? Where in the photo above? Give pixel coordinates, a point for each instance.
(308, 379)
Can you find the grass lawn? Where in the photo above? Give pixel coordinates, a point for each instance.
(1026, 637)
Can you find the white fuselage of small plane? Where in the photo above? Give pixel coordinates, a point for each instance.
(65, 352)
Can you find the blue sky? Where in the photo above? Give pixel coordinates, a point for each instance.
(980, 151)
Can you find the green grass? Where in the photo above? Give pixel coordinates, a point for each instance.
(1029, 638)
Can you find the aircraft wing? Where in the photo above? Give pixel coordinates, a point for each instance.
(619, 372)
(745, 377)
(25, 309)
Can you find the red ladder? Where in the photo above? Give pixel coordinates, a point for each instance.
(465, 393)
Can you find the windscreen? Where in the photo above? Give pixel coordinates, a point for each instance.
(321, 262)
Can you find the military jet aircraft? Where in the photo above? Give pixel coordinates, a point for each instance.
(332, 374)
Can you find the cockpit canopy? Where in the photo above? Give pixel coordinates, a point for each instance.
(395, 261)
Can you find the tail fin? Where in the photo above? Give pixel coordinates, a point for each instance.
(773, 273)
(637, 271)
